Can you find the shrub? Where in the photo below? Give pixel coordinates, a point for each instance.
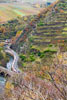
(32, 58)
(41, 54)
(50, 51)
(40, 24)
(50, 45)
(23, 57)
(1, 56)
(31, 39)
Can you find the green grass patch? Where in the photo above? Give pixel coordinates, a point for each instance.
(50, 51)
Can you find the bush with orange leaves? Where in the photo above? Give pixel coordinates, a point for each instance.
(61, 11)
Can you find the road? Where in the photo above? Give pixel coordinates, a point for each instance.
(15, 61)
(6, 71)
(14, 67)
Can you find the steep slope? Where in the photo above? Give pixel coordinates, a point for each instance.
(32, 25)
(49, 27)
(53, 29)
(43, 37)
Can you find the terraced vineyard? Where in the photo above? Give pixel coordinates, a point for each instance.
(52, 29)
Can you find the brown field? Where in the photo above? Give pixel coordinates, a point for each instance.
(11, 11)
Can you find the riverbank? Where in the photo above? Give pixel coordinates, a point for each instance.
(10, 66)
(4, 58)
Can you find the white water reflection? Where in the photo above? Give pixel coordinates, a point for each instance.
(9, 64)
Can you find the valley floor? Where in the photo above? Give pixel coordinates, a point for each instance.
(11, 11)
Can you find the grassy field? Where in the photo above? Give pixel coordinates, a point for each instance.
(11, 11)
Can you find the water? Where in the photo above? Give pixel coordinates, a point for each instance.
(9, 64)
(2, 79)
(2, 84)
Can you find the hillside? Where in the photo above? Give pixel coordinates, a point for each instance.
(44, 36)
(50, 27)
(40, 41)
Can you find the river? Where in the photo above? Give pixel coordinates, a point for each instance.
(9, 64)
(2, 84)
(2, 79)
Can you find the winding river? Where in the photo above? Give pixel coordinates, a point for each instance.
(12, 62)
(2, 79)
(9, 64)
